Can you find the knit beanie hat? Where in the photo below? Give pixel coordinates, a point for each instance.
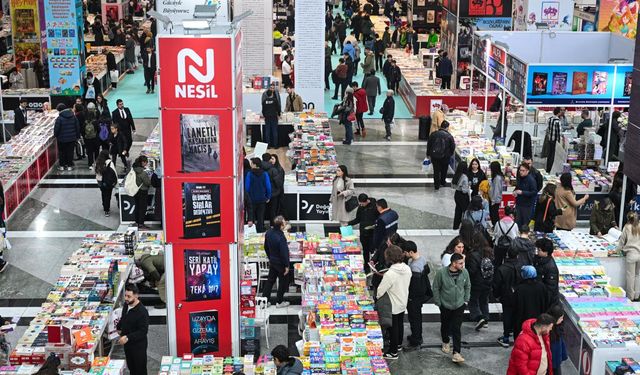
(349, 90)
(528, 272)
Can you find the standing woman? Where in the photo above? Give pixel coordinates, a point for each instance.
(476, 175)
(144, 181)
(348, 115)
(460, 182)
(456, 246)
(546, 210)
(101, 106)
(495, 191)
(566, 201)
(341, 192)
(107, 178)
(558, 347)
(629, 244)
(277, 190)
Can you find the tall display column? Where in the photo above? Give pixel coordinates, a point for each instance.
(200, 101)
(65, 49)
(309, 56)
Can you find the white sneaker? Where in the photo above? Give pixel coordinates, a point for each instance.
(91, 168)
(457, 358)
(446, 348)
(282, 304)
(61, 168)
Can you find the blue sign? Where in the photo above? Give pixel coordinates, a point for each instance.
(622, 93)
(570, 85)
(65, 46)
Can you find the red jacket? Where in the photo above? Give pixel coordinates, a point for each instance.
(526, 354)
(361, 100)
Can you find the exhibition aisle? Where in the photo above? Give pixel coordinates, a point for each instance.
(131, 90)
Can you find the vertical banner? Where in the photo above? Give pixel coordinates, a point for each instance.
(256, 36)
(200, 85)
(309, 63)
(632, 145)
(65, 46)
(25, 28)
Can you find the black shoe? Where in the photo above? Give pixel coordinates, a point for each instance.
(3, 265)
(357, 132)
(346, 143)
(160, 306)
(480, 324)
(334, 98)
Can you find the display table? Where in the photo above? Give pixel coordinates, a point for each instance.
(36, 99)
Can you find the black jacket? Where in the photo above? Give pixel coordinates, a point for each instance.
(420, 288)
(366, 216)
(117, 144)
(505, 279)
(277, 187)
(66, 128)
(96, 85)
(475, 179)
(276, 247)
(270, 106)
(145, 61)
(530, 299)
(386, 225)
(111, 61)
(134, 324)
(386, 69)
(445, 68)
(548, 273)
(20, 119)
(536, 176)
(388, 109)
(546, 224)
(473, 262)
(441, 133)
(126, 126)
(526, 251)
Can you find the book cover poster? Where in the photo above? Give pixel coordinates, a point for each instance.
(559, 84)
(202, 275)
(199, 143)
(579, 86)
(201, 210)
(599, 83)
(627, 83)
(204, 331)
(539, 83)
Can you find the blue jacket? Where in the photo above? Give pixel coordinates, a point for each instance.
(386, 225)
(66, 129)
(558, 352)
(348, 48)
(529, 191)
(445, 67)
(276, 247)
(257, 186)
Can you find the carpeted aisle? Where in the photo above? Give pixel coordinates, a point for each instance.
(132, 91)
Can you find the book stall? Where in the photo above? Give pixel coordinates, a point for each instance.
(37, 100)
(255, 127)
(252, 89)
(27, 158)
(97, 64)
(76, 321)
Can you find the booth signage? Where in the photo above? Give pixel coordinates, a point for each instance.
(485, 8)
(624, 83)
(570, 85)
(25, 27)
(515, 77)
(618, 16)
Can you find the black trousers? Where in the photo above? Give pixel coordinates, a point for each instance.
(258, 215)
(551, 156)
(141, 199)
(507, 319)
(440, 167)
(523, 215)
(114, 158)
(286, 81)
(462, 203)
(327, 74)
(276, 271)
(414, 312)
(93, 150)
(446, 82)
(136, 356)
(359, 120)
(379, 61)
(371, 101)
(148, 78)
(366, 239)
(106, 198)
(341, 86)
(65, 153)
(494, 213)
(450, 323)
(397, 332)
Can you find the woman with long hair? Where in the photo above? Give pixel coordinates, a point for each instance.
(348, 115)
(341, 192)
(460, 183)
(455, 246)
(466, 232)
(566, 201)
(481, 275)
(144, 181)
(546, 210)
(107, 178)
(629, 244)
(278, 179)
(476, 175)
(556, 339)
(495, 191)
(477, 212)
(102, 106)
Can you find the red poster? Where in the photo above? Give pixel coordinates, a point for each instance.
(11, 199)
(23, 186)
(507, 200)
(486, 8)
(498, 54)
(183, 266)
(195, 72)
(33, 175)
(43, 165)
(52, 154)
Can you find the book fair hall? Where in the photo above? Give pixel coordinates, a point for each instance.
(189, 188)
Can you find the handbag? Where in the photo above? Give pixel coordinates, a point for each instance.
(351, 117)
(385, 313)
(351, 203)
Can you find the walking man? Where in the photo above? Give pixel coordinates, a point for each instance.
(446, 70)
(275, 245)
(553, 135)
(371, 85)
(126, 126)
(149, 62)
(419, 291)
(67, 131)
(133, 328)
(440, 148)
(388, 112)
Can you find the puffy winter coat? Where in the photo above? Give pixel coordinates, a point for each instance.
(527, 352)
(66, 128)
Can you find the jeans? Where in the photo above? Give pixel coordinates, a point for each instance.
(523, 215)
(341, 85)
(397, 332)
(276, 271)
(141, 199)
(258, 215)
(494, 210)
(450, 323)
(507, 320)
(270, 135)
(348, 128)
(446, 82)
(360, 120)
(414, 312)
(371, 101)
(93, 150)
(387, 127)
(440, 168)
(106, 197)
(479, 305)
(462, 203)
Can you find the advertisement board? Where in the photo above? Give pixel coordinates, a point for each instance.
(624, 83)
(25, 28)
(557, 14)
(570, 85)
(485, 8)
(618, 16)
(65, 46)
(308, 67)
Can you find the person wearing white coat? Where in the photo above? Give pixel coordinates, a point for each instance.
(341, 192)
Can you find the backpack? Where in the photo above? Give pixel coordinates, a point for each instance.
(486, 268)
(109, 177)
(89, 130)
(439, 148)
(130, 185)
(479, 227)
(103, 134)
(428, 292)
(504, 241)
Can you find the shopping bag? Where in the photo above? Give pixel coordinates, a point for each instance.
(427, 167)
(4, 241)
(559, 158)
(392, 124)
(249, 230)
(114, 75)
(114, 319)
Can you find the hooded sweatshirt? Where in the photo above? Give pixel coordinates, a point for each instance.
(258, 185)
(396, 283)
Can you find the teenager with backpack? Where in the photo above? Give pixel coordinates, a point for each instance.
(419, 291)
(440, 148)
(479, 263)
(90, 129)
(504, 232)
(478, 214)
(107, 178)
(505, 279)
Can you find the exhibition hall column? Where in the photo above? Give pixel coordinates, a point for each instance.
(200, 104)
(309, 53)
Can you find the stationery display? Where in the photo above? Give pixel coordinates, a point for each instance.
(151, 147)
(78, 308)
(99, 366)
(626, 365)
(210, 365)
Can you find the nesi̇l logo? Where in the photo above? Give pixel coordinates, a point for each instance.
(197, 91)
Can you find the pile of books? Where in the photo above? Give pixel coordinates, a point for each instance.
(312, 150)
(210, 365)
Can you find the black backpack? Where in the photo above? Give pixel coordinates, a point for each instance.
(486, 268)
(439, 148)
(504, 241)
(428, 292)
(109, 177)
(479, 227)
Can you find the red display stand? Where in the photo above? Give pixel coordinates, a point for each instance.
(200, 108)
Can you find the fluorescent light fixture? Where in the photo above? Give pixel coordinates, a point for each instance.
(206, 11)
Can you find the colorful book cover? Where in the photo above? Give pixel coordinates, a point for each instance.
(559, 84)
(201, 210)
(199, 141)
(204, 332)
(599, 83)
(579, 85)
(627, 83)
(539, 83)
(202, 274)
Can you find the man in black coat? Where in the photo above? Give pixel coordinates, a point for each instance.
(20, 116)
(277, 249)
(445, 70)
(440, 148)
(133, 328)
(366, 216)
(395, 76)
(126, 126)
(149, 62)
(388, 112)
(505, 279)
(547, 269)
(530, 299)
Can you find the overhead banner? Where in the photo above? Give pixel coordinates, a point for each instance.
(557, 14)
(570, 85)
(309, 62)
(485, 8)
(180, 10)
(618, 16)
(65, 46)
(25, 28)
